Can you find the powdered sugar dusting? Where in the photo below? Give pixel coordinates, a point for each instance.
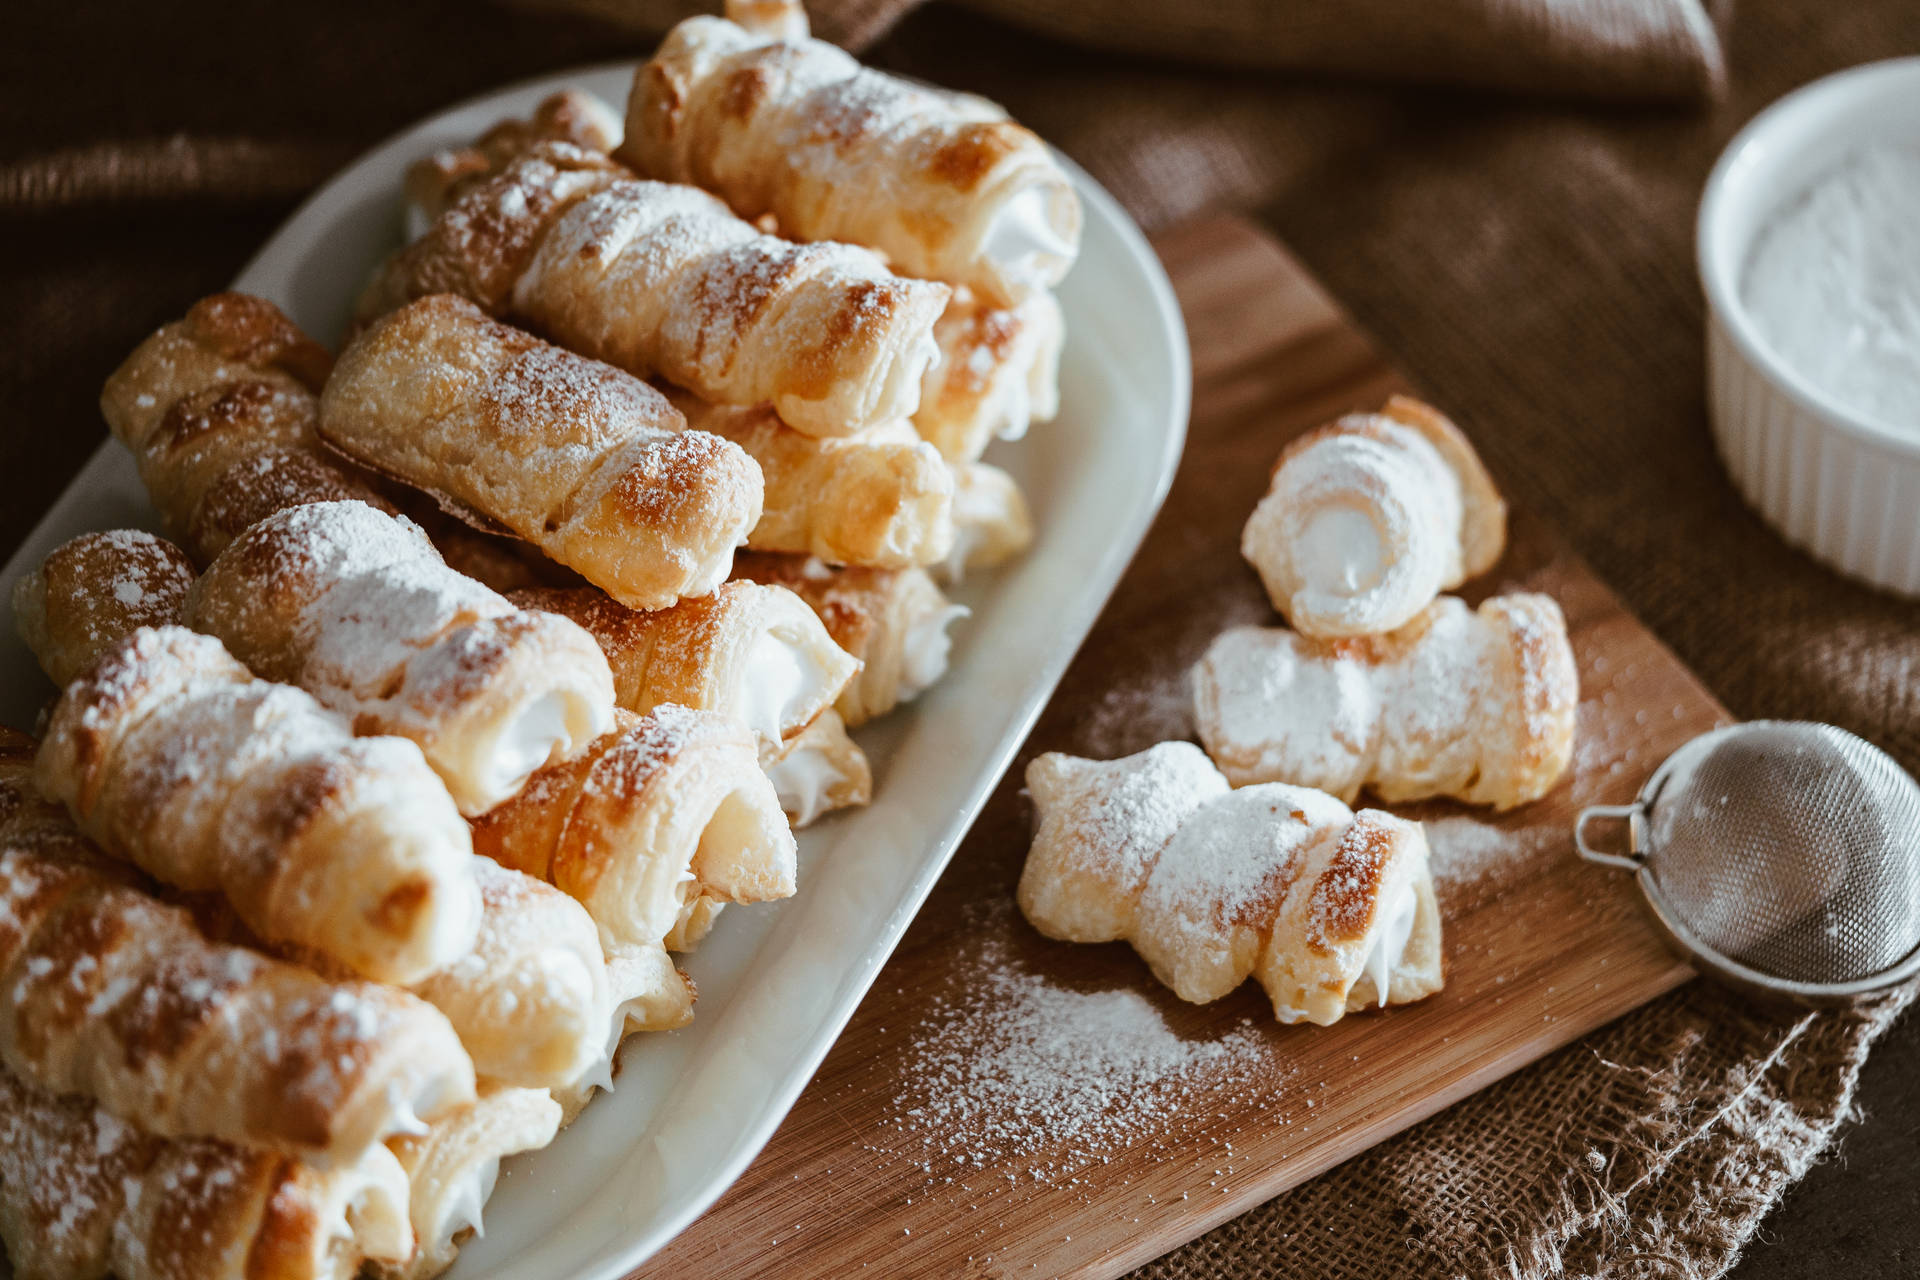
(1016, 1068)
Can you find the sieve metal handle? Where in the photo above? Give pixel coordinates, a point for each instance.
(1634, 815)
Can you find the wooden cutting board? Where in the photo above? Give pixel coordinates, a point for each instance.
(1004, 1105)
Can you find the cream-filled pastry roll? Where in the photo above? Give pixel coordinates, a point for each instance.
(1331, 911)
(998, 373)
(108, 993)
(649, 994)
(591, 465)
(571, 115)
(753, 653)
(666, 809)
(529, 998)
(818, 770)
(94, 590)
(1477, 705)
(84, 1195)
(893, 620)
(1370, 517)
(169, 754)
(660, 279)
(219, 411)
(777, 123)
(883, 498)
(452, 1167)
(990, 519)
(356, 607)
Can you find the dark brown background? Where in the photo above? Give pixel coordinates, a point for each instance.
(1529, 263)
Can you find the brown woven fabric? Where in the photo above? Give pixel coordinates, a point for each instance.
(1643, 49)
(1528, 263)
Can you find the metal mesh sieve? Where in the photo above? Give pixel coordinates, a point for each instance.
(1782, 856)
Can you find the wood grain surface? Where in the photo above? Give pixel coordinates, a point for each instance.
(881, 1169)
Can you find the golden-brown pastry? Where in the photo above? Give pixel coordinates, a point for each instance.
(660, 279)
(437, 180)
(1370, 517)
(84, 1195)
(530, 997)
(171, 755)
(356, 607)
(451, 1169)
(893, 620)
(943, 184)
(1330, 910)
(92, 591)
(752, 653)
(1477, 705)
(108, 993)
(649, 995)
(818, 770)
(587, 463)
(998, 372)
(882, 498)
(669, 807)
(219, 410)
(990, 520)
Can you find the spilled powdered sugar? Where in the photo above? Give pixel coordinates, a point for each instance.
(1014, 1067)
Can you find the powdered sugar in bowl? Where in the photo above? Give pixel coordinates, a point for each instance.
(1813, 324)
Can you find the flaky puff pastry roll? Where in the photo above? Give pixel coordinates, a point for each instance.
(84, 1195)
(749, 652)
(171, 755)
(668, 808)
(818, 770)
(649, 994)
(356, 607)
(1370, 517)
(663, 279)
(587, 463)
(882, 498)
(106, 992)
(91, 592)
(998, 372)
(571, 115)
(943, 184)
(452, 1167)
(219, 410)
(1477, 705)
(990, 519)
(1330, 910)
(893, 620)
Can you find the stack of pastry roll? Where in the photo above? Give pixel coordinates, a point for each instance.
(661, 279)
(1383, 683)
(1330, 910)
(755, 653)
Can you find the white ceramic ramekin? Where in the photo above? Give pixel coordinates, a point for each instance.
(1843, 488)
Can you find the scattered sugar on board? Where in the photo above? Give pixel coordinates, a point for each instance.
(1016, 1069)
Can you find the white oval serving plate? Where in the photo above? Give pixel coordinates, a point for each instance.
(777, 983)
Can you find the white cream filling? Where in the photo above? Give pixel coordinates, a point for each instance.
(429, 1099)
(779, 679)
(966, 540)
(526, 744)
(1023, 240)
(1340, 552)
(417, 222)
(1012, 412)
(369, 1209)
(926, 651)
(900, 390)
(802, 778)
(465, 1203)
(1390, 943)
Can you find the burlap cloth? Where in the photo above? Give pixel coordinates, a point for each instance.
(1528, 261)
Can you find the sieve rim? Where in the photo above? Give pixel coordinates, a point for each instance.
(1696, 950)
